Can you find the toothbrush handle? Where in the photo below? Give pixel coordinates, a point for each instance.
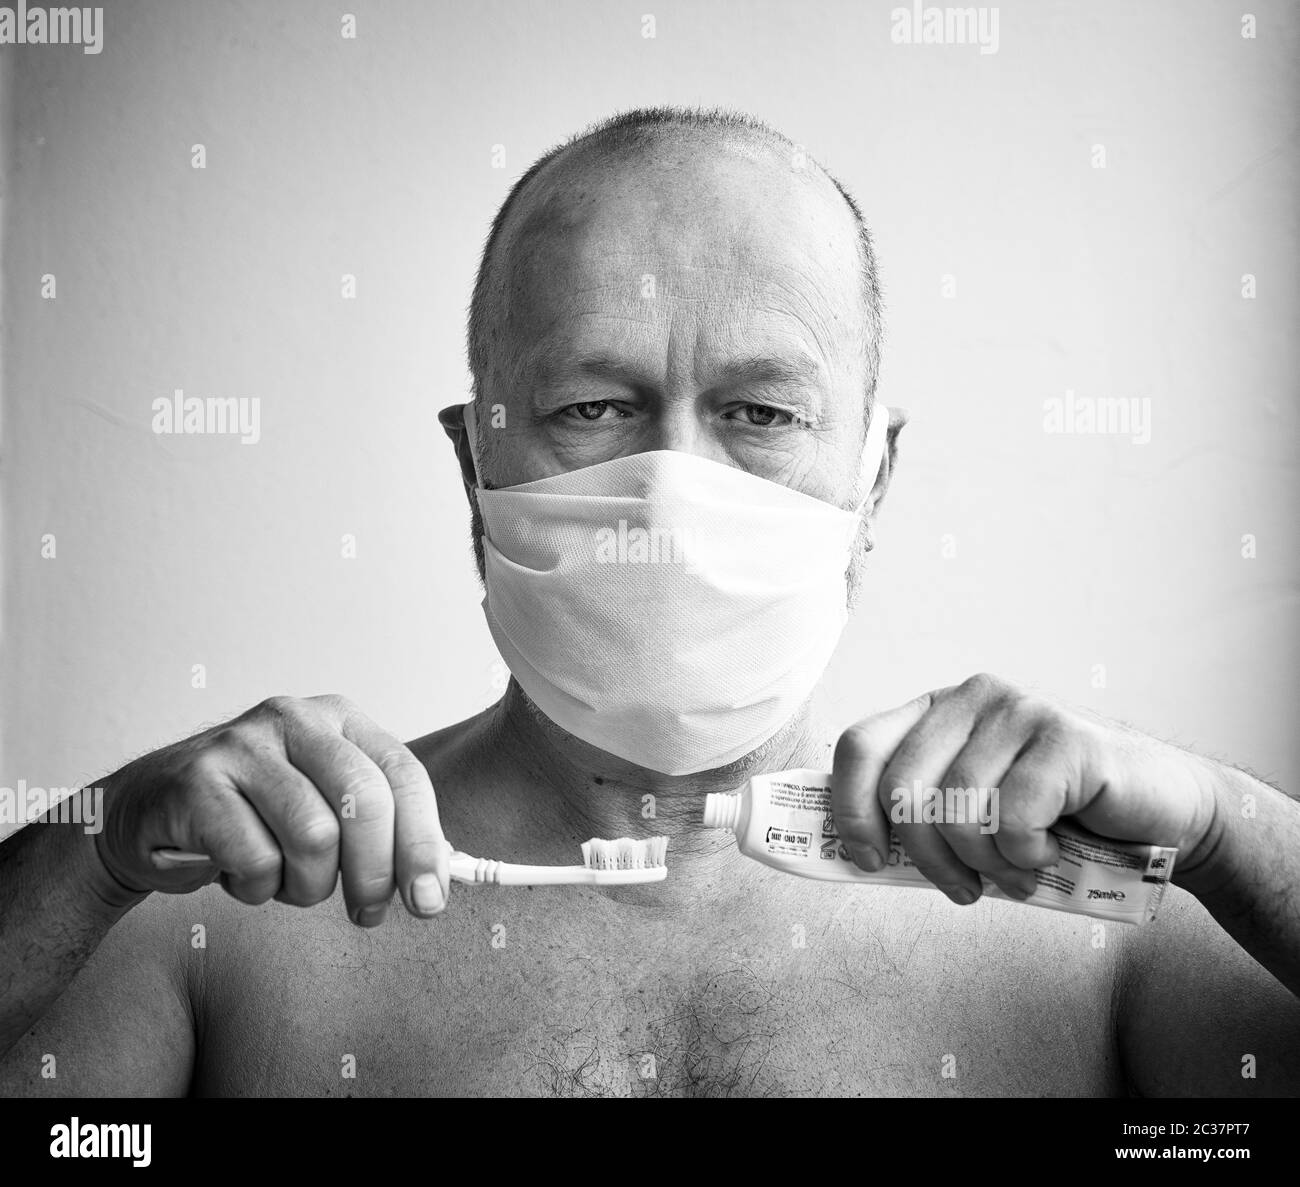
(481, 871)
(170, 859)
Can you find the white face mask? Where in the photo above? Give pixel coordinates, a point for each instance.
(668, 609)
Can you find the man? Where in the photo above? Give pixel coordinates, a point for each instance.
(685, 284)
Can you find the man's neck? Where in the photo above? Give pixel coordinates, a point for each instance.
(574, 791)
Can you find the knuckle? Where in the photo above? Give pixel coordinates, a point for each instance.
(316, 836)
(1022, 850)
(204, 768)
(370, 801)
(984, 686)
(1054, 730)
(333, 701)
(372, 887)
(271, 715)
(895, 781)
(226, 734)
(1012, 811)
(854, 742)
(403, 770)
(286, 786)
(423, 853)
(1034, 707)
(1021, 817)
(958, 780)
(260, 867)
(855, 822)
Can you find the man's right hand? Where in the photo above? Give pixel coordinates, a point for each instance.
(282, 799)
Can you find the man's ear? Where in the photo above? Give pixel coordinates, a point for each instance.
(452, 420)
(898, 417)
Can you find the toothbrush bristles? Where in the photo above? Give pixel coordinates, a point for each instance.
(624, 853)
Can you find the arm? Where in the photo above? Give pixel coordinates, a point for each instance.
(94, 1000)
(1238, 840)
(1247, 873)
(283, 802)
(57, 904)
(1196, 1016)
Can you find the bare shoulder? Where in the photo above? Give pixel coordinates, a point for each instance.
(124, 1026)
(1200, 1016)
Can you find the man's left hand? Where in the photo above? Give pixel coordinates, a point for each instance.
(1040, 760)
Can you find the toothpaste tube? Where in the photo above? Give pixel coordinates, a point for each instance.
(784, 820)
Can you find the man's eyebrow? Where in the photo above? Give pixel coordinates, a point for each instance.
(763, 368)
(549, 367)
(600, 365)
(757, 368)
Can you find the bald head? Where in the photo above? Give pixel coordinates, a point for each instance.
(695, 191)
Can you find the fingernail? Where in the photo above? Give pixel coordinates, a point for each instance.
(959, 895)
(865, 857)
(372, 916)
(426, 894)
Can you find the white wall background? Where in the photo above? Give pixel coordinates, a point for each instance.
(374, 157)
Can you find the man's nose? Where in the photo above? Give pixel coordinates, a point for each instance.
(678, 424)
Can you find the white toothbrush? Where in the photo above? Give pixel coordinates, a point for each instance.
(606, 863)
(622, 862)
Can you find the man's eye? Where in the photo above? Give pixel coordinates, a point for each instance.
(591, 410)
(762, 415)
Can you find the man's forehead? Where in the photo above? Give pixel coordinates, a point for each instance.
(731, 229)
(704, 202)
(721, 329)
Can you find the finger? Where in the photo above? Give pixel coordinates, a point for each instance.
(300, 818)
(912, 793)
(225, 826)
(972, 799)
(362, 802)
(860, 757)
(421, 853)
(1033, 794)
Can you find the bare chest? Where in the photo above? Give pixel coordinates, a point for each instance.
(527, 996)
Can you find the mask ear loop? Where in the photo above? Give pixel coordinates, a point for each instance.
(873, 452)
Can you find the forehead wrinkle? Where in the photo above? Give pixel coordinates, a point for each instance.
(772, 354)
(567, 200)
(819, 324)
(553, 353)
(795, 328)
(785, 292)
